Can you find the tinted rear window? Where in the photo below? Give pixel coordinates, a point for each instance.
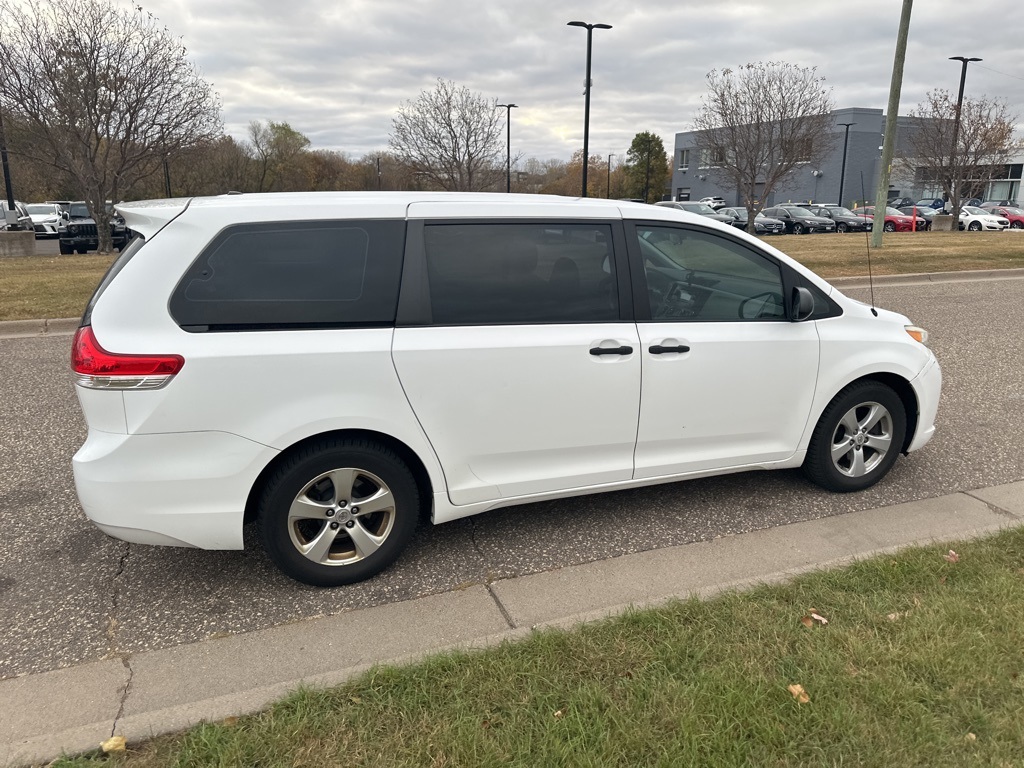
(288, 275)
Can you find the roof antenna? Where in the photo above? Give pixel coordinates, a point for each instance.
(867, 244)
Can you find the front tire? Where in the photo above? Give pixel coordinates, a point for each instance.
(888, 227)
(857, 439)
(66, 250)
(842, 227)
(974, 226)
(338, 511)
(798, 228)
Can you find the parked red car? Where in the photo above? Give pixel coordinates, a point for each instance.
(1015, 215)
(894, 220)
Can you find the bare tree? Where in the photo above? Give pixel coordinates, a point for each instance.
(986, 139)
(451, 137)
(758, 122)
(106, 92)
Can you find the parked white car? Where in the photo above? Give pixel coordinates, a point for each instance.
(45, 218)
(334, 365)
(977, 219)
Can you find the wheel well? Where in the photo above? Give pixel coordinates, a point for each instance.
(906, 393)
(407, 454)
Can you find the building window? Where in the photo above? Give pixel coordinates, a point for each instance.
(684, 159)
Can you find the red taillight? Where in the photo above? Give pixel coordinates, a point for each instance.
(99, 369)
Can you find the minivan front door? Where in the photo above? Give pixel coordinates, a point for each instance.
(514, 356)
(727, 379)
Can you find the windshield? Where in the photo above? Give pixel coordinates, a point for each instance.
(79, 211)
(796, 211)
(842, 212)
(892, 212)
(40, 208)
(699, 208)
(1014, 211)
(977, 211)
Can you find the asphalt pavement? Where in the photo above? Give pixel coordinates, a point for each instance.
(131, 628)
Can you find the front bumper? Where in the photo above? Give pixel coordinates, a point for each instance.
(928, 387)
(177, 489)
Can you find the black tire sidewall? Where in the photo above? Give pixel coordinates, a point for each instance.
(818, 466)
(293, 475)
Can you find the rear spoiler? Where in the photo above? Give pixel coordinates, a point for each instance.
(147, 217)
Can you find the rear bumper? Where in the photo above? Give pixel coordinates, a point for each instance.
(179, 489)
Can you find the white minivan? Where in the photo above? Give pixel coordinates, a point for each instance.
(332, 366)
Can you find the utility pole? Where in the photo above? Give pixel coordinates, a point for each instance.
(891, 116)
(608, 194)
(508, 142)
(954, 154)
(8, 189)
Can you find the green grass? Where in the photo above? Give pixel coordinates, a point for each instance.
(59, 286)
(920, 665)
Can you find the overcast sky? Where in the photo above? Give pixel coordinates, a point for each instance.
(337, 71)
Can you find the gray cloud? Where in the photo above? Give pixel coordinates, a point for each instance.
(337, 73)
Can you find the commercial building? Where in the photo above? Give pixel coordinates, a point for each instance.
(695, 176)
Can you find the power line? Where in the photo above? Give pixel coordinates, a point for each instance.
(1006, 74)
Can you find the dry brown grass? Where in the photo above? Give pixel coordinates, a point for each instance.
(904, 252)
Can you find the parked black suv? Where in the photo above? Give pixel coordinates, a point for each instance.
(77, 230)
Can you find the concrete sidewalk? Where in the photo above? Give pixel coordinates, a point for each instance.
(142, 695)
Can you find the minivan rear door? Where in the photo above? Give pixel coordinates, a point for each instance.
(515, 349)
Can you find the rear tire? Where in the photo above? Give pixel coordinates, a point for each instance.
(338, 511)
(1016, 225)
(857, 439)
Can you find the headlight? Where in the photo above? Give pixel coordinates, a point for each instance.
(917, 334)
(73, 230)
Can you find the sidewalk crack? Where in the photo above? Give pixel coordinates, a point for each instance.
(112, 629)
(501, 608)
(1005, 513)
(126, 660)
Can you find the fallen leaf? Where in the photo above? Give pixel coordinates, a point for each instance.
(952, 557)
(942, 580)
(113, 744)
(559, 714)
(230, 722)
(807, 622)
(820, 619)
(799, 693)
(355, 699)
(895, 616)
(970, 737)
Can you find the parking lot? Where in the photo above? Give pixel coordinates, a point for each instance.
(70, 594)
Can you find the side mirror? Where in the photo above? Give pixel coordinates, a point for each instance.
(65, 215)
(803, 304)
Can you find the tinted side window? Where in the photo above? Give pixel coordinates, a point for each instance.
(491, 274)
(694, 275)
(295, 274)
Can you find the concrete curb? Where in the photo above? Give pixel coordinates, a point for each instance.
(15, 329)
(146, 694)
(66, 326)
(918, 278)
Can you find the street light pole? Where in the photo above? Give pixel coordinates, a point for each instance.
(508, 142)
(586, 93)
(956, 138)
(608, 194)
(842, 172)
